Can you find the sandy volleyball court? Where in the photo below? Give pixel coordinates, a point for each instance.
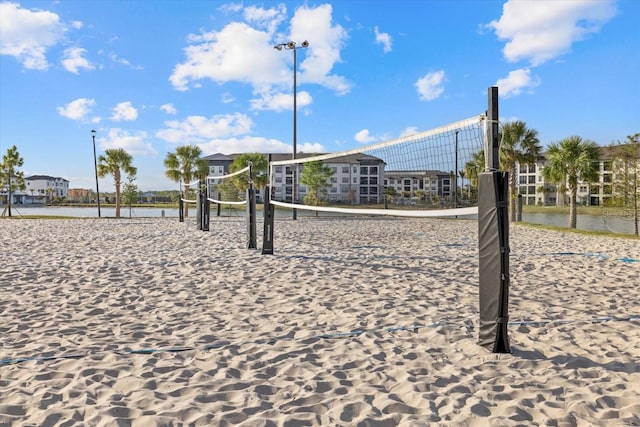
(370, 322)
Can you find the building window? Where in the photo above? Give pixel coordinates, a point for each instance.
(364, 170)
(373, 170)
(278, 169)
(345, 179)
(345, 169)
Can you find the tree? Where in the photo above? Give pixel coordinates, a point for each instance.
(260, 165)
(626, 158)
(472, 168)
(462, 174)
(114, 162)
(518, 144)
(574, 159)
(316, 175)
(183, 166)
(11, 178)
(130, 193)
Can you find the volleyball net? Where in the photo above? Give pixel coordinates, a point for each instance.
(229, 189)
(430, 173)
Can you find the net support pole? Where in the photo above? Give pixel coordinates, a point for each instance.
(493, 242)
(206, 209)
(251, 212)
(267, 235)
(218, 205)
(199, 204)
(180, 209)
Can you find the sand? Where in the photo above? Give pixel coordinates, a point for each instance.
(368, 322)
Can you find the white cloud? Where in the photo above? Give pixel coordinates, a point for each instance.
(516, 82)
(73, 60)
(324, 50)
(169, 109)
(123, 61)
(132, 142)
(538, 31)
(384, 39)
(411, 130)
(430, 86)
(124, 111)
(281, 101)
(248, 144)
(199, 129)
(243, 52)
(364, 137)
(236, 53)
(27, 34)
(77, 109)
(268, 19)
(227, 98)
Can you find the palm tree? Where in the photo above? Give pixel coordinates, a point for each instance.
(518, 144)
(576, 159)
(184, 165)
(259, 168)
(472, 168)
(462, 174)
(114, 162)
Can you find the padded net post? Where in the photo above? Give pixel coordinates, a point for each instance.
(267, 235)
(251, 218)
(493, 242)
(206, 209)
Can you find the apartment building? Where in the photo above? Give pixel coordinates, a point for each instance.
(49, 186)
(535, 190)
(357, 179)
(39, 190)
(423, 184)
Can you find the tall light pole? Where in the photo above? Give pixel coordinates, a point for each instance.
(292, 46)
(95, 164)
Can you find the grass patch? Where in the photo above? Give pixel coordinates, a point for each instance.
(582, 210)
(578, 231)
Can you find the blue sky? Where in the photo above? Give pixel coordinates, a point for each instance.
(149, 76)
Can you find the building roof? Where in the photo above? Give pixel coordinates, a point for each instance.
(219, 157)
(44, 178)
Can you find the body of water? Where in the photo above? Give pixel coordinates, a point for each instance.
(610, 224)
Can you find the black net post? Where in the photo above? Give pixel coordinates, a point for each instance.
(206, 209)
(251, 212)
(493, 242)
(218, 205)
(199, 204)
(267, 235)
(180, 209)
